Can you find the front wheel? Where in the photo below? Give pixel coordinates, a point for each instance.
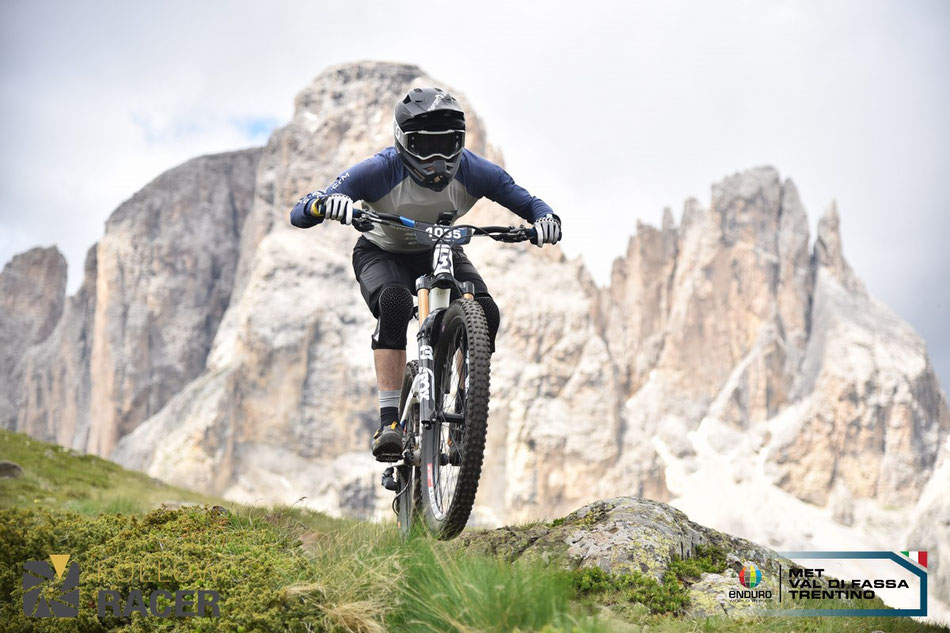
(453, 445)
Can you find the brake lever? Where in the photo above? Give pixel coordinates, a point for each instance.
(513, 235)
(363, 224)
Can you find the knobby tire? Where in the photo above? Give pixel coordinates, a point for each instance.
(463, 326)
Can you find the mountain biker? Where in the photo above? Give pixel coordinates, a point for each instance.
(426, 172)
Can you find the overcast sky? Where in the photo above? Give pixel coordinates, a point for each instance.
(609, 111)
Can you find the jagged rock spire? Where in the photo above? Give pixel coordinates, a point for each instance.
(829, 253)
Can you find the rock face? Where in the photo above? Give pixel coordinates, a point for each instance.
(164, 276)
(215, 346)
(32, 287)
(931, 531)
(55, 375)
(140, 327)
(726, 325)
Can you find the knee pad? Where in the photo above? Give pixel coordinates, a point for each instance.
(395, 310)
(492, 315)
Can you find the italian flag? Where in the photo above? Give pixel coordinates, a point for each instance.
(918, 557)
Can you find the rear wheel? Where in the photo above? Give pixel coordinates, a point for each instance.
(407, 475)
(453, 445)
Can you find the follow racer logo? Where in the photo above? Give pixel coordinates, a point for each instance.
(39, 575)
(50, 591)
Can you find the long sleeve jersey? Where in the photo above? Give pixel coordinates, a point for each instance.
(384, 184)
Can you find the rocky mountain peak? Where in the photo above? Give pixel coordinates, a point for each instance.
(668, 224)
(337, 82)
(748, 204)
(32, 286)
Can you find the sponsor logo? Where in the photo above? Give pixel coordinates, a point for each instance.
(339, 181)
(443, 259)
(897, 579)
(426, 378)
(186, 603)
(750, 576)
(50, 591)
(811, 583)
(431, 484)
(439, 98)
(39, 575)
(425, 352)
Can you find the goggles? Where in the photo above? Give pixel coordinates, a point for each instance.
(424, 144)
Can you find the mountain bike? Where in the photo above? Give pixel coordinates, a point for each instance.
(443, 406)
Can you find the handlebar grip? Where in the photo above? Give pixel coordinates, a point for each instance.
(531, 234)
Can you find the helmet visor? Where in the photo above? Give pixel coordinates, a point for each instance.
(423, 144)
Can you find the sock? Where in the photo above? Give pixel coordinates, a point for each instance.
(388, 407)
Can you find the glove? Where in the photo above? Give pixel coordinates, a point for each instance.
(548, 228)
(336, 206)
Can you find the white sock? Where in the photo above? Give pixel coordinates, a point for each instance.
(389, 399)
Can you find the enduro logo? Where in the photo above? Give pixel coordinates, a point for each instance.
(39, 574)
(750, 577)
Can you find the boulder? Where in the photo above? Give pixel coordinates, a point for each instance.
(10, 470)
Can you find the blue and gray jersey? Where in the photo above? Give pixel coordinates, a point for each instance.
(383, 183)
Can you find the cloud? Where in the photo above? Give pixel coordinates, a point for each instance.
(608, 110)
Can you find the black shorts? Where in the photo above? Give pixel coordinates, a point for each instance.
(375, 269)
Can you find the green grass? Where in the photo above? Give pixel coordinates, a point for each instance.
(57, 477)
(445, 588)
(275, 573)
(291, 569)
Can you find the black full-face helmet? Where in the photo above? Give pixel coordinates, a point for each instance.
(429, 126)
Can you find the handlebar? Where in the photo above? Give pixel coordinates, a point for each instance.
(509, 234)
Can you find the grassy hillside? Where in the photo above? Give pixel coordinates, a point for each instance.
(289, 569)
(58, 478)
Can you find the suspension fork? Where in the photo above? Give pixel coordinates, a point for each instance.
(425, 379)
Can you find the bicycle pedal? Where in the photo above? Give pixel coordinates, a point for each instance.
(388, 457)
(389, 482)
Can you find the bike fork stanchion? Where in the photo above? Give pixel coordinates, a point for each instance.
(423, 304)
